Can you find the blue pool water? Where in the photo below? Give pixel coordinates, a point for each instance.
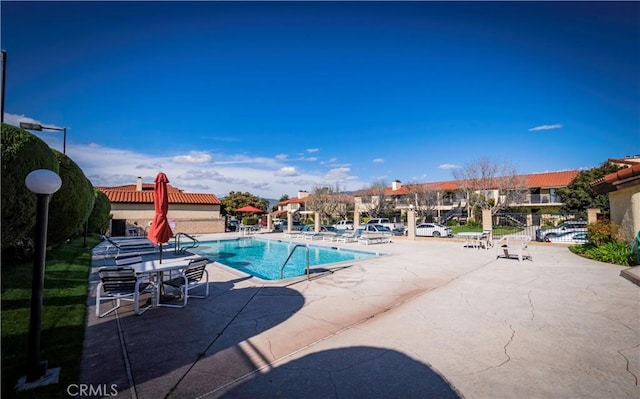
(264, 258)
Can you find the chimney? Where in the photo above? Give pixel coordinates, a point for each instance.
(139, 184)
(395, 185)
(302, 194)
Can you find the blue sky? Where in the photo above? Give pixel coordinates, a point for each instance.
(272, 98)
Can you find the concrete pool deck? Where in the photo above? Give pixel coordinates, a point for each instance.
(431, 319)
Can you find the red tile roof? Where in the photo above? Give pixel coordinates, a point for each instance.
(621, 179)
(128, 194)
(341, 197)
(534, 180)
(550, 179)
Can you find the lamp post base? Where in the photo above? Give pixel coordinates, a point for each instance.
(50, 376)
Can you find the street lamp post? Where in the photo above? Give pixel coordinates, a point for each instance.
(43, 183)
(4, 81)
(38, 127)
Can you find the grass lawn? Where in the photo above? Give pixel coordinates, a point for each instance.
(63, 317)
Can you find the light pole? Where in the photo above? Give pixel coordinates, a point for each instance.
(43, 183)
(4, 81)
(38, 127)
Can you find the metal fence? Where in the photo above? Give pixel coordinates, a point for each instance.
(557, 228)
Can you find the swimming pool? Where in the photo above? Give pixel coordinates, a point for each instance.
(264, 258)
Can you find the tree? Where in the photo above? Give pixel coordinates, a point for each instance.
(490, 185)
(21, 153)
(71, 206)
(235, 200)
(374, 201)
(578, 196)
(324, 201)
(424, 198)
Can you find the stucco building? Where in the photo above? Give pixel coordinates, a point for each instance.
(132, 210)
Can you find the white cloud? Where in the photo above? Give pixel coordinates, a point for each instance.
(378, 160)
(339, 174)
(448, 166)
(311, 150)
(193, 157)
(287, 171)
(196, 171)
(545, 127)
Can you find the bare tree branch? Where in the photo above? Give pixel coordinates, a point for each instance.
(489, 185)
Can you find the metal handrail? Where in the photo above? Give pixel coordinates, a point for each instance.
(291, 254)
(195, 243)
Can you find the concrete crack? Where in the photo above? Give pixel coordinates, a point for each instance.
(591, 290)
(506, 353)
(531, 307)
(635, 377)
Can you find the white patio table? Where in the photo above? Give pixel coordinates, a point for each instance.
(155, 270)
(472, 238)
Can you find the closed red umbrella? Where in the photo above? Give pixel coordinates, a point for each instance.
(160, 231)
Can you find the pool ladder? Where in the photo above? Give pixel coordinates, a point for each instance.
(291, 254)
(181, 250)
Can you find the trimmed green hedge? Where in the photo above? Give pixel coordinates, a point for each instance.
(71, 206)
(101, 213)
(22, 153)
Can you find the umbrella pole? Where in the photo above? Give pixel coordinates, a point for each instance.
(160, 245)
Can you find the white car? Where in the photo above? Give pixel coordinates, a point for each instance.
(575, 237)
(432, 230)
(344, 225)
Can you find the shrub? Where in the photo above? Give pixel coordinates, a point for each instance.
(71, 206)
(617, 252)
(101, 213)
(250, 220)
(21, 153)
(602, 232)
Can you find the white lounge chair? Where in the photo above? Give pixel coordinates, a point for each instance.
(349, 236)
(367, 239)
(116, 248)
(513, 245)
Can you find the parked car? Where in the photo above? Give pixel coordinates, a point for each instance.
(232, 225)
(432, 230)
(344, 225)
(566, 227)
(310, 228)
(377, 229)
(294, 226)
(579, 237)
(393, 226)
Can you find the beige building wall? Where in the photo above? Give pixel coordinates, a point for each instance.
(190, 219)
(625, 210)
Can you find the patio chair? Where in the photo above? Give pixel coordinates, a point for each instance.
(120, 284)
(513, 245)
(189, 279)
(484, 240)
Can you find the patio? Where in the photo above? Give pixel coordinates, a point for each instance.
(432, 319)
